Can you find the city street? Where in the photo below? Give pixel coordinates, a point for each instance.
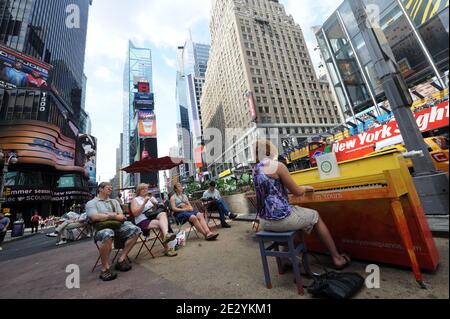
(227, 269)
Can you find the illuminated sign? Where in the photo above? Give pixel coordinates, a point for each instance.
(36, 142)
(147, 124)
(21, 71)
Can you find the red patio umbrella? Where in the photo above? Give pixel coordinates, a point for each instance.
(152, 165)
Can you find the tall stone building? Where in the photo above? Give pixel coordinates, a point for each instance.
(260, 75)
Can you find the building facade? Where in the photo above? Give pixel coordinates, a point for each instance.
(138, 71)
(192, 66)
(42, 49)
(53, 32)
(260, 76)
(417, 33)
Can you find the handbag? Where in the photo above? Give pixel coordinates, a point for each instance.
(152, 213)
(337, 285)
(108, 224)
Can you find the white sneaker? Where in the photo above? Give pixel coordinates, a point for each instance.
(62, 242)
(52, 235)
(1, 248)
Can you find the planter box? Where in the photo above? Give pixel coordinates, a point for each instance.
(238, 204)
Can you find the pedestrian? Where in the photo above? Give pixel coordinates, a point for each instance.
(35, 222)
(4, 224)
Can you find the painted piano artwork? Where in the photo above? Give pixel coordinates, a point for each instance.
(373, 212)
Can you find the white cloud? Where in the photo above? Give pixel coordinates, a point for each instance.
(165, 24)
(170, 62)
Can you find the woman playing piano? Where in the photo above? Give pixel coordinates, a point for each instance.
(272, 180)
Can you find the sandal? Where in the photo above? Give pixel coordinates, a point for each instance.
(212, 237)
(348, 261)
(108, 275)
(123, 266)
(171, 253)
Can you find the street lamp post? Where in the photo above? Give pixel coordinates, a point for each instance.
(432, 186)
(10, 158)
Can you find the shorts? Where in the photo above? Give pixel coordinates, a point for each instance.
(127, 231)
(185, 216)
(300, 219)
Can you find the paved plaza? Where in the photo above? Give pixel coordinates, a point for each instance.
(227, 269)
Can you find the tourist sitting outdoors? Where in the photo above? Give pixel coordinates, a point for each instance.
(71, 222)
(214, 202)
(271, 179)
(4, 224)
(149, 214)
(110, 224)
(184, 211)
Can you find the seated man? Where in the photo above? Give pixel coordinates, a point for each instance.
(214, 202)
(73, 221)
(110, 223)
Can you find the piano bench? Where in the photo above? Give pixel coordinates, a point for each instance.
(284, 240)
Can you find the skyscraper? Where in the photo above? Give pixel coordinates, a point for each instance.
(138, 69)
(192, 65)
(39, 28)
(260, 75)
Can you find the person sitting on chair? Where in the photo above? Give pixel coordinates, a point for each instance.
(272, 180)
(106, 212)
(149, 214)
(214, 202)
(74, 221)
(184, 212)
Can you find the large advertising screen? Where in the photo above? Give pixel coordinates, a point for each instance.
(36, 142)
(147, 124)
(144, 101)
(87, 155)
(21, 71)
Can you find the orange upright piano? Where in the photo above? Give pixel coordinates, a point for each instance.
(373, 212)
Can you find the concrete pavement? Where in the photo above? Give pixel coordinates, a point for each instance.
(227, 269)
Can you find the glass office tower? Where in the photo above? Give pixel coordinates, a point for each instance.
(38, 28)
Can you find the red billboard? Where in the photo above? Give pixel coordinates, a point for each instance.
(252, 106)
(363, 144)
(18, 70)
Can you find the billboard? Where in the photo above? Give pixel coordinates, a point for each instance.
(87, 155)
(37, 142)
(144, 101)
(21, 71)
(423, 11)
(252, 106)
(147, 124)
(363, 144)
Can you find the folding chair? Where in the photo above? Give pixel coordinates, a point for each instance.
(256, 222)
(146, 237)
(117, 245)
(86, 229)
(173, 219)
(208, 213)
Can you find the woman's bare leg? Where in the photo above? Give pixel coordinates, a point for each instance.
(204, 224)
(194, 220)
(323, 233)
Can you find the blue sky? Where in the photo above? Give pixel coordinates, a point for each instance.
(161, 25)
